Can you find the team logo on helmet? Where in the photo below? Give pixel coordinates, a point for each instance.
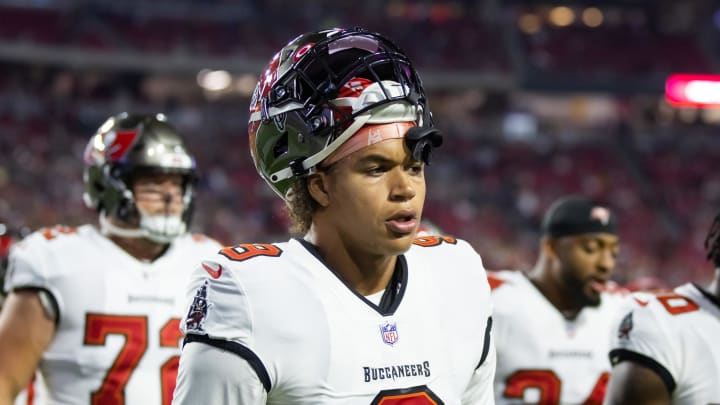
(198, 310)
(279, 121)
(601, 214)
(389, 333)
(300, 52)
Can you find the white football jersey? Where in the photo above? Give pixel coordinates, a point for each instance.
(675, 333)
(310, 339)
(117, 336)
(542, 357)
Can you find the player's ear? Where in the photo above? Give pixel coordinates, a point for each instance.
(317, 188)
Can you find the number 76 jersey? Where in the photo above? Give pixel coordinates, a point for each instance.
(117, 336)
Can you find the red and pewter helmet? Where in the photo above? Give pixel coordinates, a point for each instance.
(299, 116)
(127, 145)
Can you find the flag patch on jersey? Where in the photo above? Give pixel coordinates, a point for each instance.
(625, 327)
(389, 333)
(198, 310)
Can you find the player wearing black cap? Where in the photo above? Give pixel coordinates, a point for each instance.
(577, 254)
(553, 324)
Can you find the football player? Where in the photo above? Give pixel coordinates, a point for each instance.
(34, 392)
(665, 350)
(553, 324)
(357, 310)
(97, 309)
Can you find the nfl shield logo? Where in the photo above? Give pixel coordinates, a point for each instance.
(389, 333)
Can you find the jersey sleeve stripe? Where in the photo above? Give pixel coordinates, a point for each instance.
(619, 355)
(486, 345)
(238, 349)
(47, 300)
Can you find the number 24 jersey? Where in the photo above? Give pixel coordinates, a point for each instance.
(544, 358)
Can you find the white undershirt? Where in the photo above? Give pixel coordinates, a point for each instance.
(376, 297)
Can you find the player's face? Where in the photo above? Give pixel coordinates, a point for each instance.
(376, 197)
(159, 194)
(586, 263)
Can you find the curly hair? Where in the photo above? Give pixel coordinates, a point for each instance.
(712, 242)
(300, 206)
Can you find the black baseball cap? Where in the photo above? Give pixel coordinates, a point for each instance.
(574, 215)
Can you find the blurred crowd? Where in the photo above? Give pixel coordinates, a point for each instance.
(484, 186)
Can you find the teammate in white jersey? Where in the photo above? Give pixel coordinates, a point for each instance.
(665, 348)
(97, 311)
(7, 238)
(34, 393)
(354, 311)
(553, 325)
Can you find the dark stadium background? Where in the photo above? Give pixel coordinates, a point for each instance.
(537, 99)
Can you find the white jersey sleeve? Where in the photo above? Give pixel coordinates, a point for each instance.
(644, 336)
(31, 263)
(673, 332)
(216, 378)
(219, 317)
(480, 389)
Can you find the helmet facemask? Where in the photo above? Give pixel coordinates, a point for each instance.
(160, 228)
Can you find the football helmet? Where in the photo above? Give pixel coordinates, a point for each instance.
(299, 114)
(128, 145)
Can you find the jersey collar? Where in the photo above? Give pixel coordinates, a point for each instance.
(394, 291)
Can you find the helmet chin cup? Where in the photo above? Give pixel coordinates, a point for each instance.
(161, 229)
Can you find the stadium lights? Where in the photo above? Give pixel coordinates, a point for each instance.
(592, 17)
(561, 16)
(693, 90)
(214, 80)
